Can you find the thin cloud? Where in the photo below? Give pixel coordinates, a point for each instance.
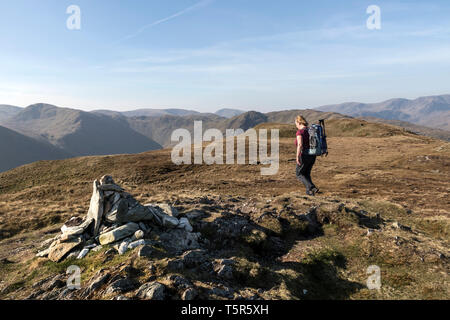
(198, 5)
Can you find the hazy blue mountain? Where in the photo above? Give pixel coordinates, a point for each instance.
(432, 111)
(229, 113)
(160, 128)
(17, 149)
(43, 131)
(79, 133)
(7, 111)
(158, 112)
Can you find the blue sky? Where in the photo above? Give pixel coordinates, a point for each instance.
(209, 54)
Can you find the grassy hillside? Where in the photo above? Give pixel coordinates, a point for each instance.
(422, 130)
(384, 201)
(341, 128)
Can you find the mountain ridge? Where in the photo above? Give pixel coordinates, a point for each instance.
(79, 132)
(17, 149)
(7, 111)
(430, 111)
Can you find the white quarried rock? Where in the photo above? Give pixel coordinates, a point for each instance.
(137, 235)
(123, 247)
(136, 244)
(43, 253)
(77, 230)
(97, 248)
(83, 253)
(96, 206)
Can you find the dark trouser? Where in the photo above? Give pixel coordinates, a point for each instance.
(303, 172)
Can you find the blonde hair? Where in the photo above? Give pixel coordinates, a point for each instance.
(301, 120)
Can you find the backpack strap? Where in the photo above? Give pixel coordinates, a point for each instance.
(322, 123)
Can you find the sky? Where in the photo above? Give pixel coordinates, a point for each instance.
(204, 55)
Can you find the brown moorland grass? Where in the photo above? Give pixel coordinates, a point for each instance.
(381, 170)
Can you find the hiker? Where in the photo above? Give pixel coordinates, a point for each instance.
(305, 161)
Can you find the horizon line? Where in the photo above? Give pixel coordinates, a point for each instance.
(219, 109)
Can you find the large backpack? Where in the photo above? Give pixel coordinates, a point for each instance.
(317, 139)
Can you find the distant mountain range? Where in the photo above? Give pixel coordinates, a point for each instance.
(79, 133)
(7, 111)
(226, 113)
(17, 149)
(229, 113)
(150, 112)
(160, 128)
(432, 111)
(46, 132)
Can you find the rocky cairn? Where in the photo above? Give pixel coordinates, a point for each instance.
(116, 218)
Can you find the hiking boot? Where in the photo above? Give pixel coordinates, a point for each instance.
(310, 193)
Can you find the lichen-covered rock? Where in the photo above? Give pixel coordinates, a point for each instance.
(194, 258)
(122, 285)
(58, 250)
(152, 291)
(178, 240)
(135, 214)
(118, 233)
(99, 280)
(118, 210)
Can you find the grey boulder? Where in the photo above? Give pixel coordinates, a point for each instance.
(136, 214)
(152, 291)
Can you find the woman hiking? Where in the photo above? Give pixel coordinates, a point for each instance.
(305, 161)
